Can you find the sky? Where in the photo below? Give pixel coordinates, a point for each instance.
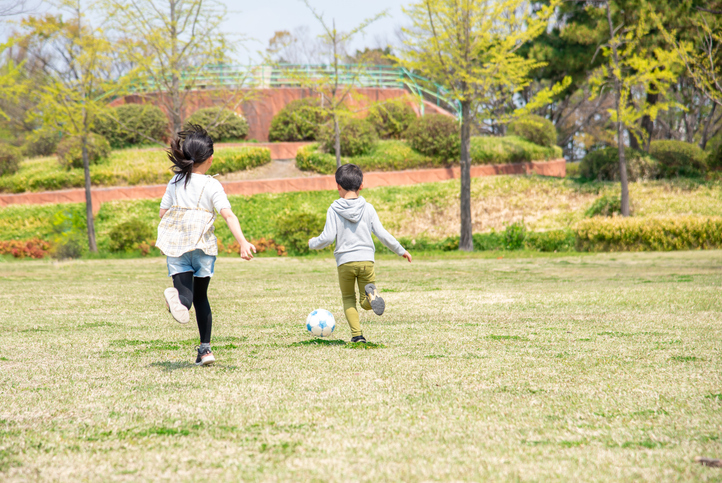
(260, 19)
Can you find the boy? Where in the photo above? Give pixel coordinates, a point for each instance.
(350, 221)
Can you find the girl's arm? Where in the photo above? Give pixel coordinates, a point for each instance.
(162, 213)
(235, 226)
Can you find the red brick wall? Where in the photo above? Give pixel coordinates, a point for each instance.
(265, 103)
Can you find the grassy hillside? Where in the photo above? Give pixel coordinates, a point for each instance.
(425, 211)
(391, 155)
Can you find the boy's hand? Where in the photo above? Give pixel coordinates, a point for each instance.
(246, 249)
(407, 256)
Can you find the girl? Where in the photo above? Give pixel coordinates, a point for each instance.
(185, 232)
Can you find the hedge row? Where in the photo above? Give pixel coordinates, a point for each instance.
(131, 167)
(396, 155)
(648, 234)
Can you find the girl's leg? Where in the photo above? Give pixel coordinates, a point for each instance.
(183, 282)
(203, 308)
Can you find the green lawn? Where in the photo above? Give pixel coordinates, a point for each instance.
(592, 368)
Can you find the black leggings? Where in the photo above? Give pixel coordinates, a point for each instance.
(194, 290)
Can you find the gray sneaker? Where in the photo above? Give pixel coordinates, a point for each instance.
(377, 303)
(175, 307)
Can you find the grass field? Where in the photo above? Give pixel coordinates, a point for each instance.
(591, 368)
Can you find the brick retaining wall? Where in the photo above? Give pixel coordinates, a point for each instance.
(556, 168)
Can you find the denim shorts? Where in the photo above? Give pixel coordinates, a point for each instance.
(196, 261)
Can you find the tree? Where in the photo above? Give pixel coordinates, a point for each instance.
(701, 53)
(470, 47)
(171, 44)
(11, 87)
(336, 86)
(77, 61)
(629, 65)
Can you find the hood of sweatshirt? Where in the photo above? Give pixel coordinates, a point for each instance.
(351, 210)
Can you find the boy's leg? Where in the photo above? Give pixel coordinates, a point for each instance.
(366, 276)
(347, 281)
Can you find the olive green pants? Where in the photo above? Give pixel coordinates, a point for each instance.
(349, 275)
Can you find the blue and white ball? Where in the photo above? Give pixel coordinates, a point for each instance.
(320, 323)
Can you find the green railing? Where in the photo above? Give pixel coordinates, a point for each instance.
(226, 76)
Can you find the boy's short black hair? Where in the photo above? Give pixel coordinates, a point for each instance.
(350, 177)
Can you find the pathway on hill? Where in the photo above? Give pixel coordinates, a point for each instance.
(249, 187)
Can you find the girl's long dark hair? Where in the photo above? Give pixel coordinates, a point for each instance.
(190, 147)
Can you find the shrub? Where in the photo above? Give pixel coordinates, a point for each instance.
(550, 241)
(41, 143)
(295, 228)
(509, 149)
(137, 119)
(603, 165)
(309, 158)
(228, 160)
(262, 245)
(68, 227)
(391, 119)
(643, 234)
(714, 158)
(514, 235)
(70, 150)
(678, 158)
(535, 129)
(605, 205)
(221, 124)
(127, 236)
(357, 136)
(435, 135)
(299, 120)
(33, 248)
(9, 159)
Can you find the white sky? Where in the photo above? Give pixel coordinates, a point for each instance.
(259, 19)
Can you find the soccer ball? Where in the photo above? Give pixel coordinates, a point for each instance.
(320, 323)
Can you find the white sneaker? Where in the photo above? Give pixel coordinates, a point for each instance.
(175, 307)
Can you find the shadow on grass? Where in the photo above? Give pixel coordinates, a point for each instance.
(314, 342)
(169, 366)
(364, 345)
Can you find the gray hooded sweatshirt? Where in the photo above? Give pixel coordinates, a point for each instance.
(350, 224)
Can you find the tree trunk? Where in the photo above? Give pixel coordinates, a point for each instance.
(705, 132)
(647, 122)
(620, 122)
(176, 113)
(88, 196)
(466, 240)
(337, 141)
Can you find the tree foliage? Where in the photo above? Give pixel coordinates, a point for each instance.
(471, 49)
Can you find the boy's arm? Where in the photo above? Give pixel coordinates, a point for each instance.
(235, 226)
(328, 235)
(386, 238)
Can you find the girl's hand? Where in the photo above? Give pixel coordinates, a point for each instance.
(246, 249)
(407, 256)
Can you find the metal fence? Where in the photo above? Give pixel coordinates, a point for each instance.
(225, 76)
